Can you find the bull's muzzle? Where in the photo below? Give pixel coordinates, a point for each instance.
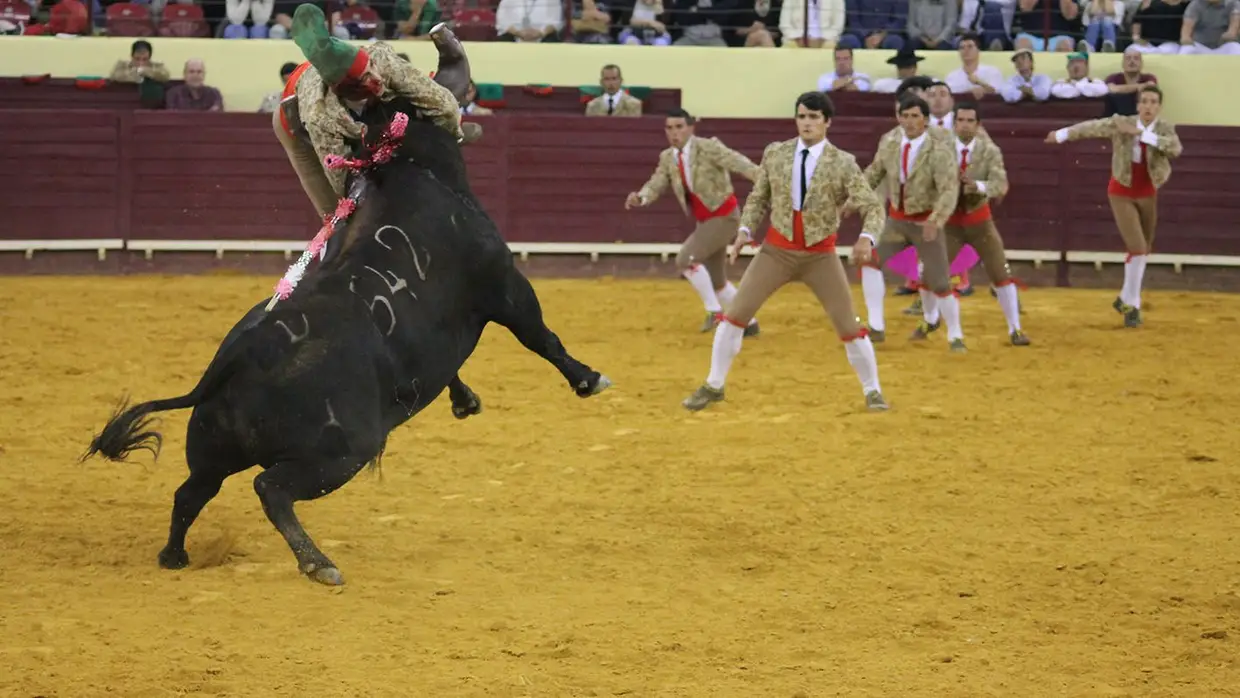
(453, 70)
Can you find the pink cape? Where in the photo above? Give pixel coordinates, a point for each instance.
(905, 263)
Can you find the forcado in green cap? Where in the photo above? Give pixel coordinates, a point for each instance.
(335, 60)
(1078, 56)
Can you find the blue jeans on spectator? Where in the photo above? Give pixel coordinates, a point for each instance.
(1103, 26)
(918, 45)
(1037, 43)
(240, 31)
(991, 27)
(856, 40)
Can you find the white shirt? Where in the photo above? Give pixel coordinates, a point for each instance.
(826, 81)
(1147, 137)
(958, 82)
(946, 121)
(960, 159)
(1040, 84)
(915, 144)
(686, 155)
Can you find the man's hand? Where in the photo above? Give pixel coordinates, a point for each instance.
(929, 231)
(633, 199)
(875, 40)
(1052, 138)
(862, 252)
(842, 83)
(970, 186)
(742, 239)
(1128, 128)
(978, 92)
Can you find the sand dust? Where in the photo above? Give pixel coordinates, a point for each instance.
(1060, 520)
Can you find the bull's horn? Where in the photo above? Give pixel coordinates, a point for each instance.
(453, 71)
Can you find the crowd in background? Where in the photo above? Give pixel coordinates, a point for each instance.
(1165, 26)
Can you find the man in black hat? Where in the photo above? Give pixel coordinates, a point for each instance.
(905, 61)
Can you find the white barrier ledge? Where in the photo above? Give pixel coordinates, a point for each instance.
(100, 246)
(1176, 261)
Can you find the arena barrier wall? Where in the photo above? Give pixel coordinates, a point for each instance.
(154, 182)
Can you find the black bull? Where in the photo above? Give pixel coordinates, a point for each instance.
(311, 390)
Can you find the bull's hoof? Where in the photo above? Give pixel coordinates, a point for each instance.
(329, 576)
(173, 559)
(586, 390)
(469, 409)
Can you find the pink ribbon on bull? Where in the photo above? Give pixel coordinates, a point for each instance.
(380, 153)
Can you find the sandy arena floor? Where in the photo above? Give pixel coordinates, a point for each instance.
(1060, 520)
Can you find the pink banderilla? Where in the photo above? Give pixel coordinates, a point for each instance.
(905, 263)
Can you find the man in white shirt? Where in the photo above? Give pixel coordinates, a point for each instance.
(905, 62)
(1025, 84)
(973, 77)
(529, 20)
(1078, 83)
(844, 78)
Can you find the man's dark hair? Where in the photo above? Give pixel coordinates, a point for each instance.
(287, 69)
(139, 45)
(913, 101)
(611, 66)
(918, 82)
(679, 113)
(816, 101)
(970, 36)
(844, 48)
(1153, 89)
(969, 106)
(937, 83)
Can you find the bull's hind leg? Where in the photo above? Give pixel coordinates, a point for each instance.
(297, 481)
(465, 402)
(521, 313)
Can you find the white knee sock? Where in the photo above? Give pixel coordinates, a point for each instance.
(726, 346)
(699, 278)
(1134, 274)
(873, 289)
(726, 294)
(929, 306)
(949, 305)
(1010, 305)
(861, 355)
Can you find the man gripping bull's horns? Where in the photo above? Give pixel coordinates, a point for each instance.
(314, 118)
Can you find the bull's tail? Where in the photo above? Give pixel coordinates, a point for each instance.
(130, 430)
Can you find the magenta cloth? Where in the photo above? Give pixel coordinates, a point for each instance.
(905, 263)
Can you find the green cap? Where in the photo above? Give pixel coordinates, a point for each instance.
(333, 58)
(1078, 56)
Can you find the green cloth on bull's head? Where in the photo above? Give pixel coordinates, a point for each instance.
(330, 56)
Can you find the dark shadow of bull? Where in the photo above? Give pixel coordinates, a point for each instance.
(310, 390)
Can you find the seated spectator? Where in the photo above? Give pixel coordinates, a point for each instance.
(614, 101)
(701, 21)
(932, 24)
(1037, 32)
(826, 23)
(1211, 26)
(195, 94)
(1078, 83)
(991, 20)
(139, 67)
(1124, 86)
(644, 25)
(1156, 26)
(349, 31)
(755, 28)
(272, 101)
(1025, 85)
(905, 62)
(875, 24)
(844, 78)
(1102, 19)
(973, 77)
(471, 94)
(414, 19)
(529, 20)
(591, 22)
(258, 12)
(65, 17)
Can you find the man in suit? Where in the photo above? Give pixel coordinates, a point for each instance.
(614, 101)
(803, 183)
(1142, 148)
(699, 171)
(919, 170)
(982, 177)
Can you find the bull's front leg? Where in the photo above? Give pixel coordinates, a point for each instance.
(465, 402)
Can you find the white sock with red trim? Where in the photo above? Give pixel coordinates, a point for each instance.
(1008, 301)
(726, 346)
(949, 305)
(861, 356)
(1134, 274)
(929, 306)
(699, 278)
(726, 295)
(874, 289)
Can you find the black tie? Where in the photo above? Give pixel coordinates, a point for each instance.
(610, 107)
(804, 180)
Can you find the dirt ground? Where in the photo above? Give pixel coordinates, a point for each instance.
(1060, 520)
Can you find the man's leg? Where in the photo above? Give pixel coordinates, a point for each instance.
(986, 240)
(1128, 220)
(770, 269)
(696, 248)
(937, 277)
(309, 170)
(824, 274)
(891, 242)
(716, 265)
